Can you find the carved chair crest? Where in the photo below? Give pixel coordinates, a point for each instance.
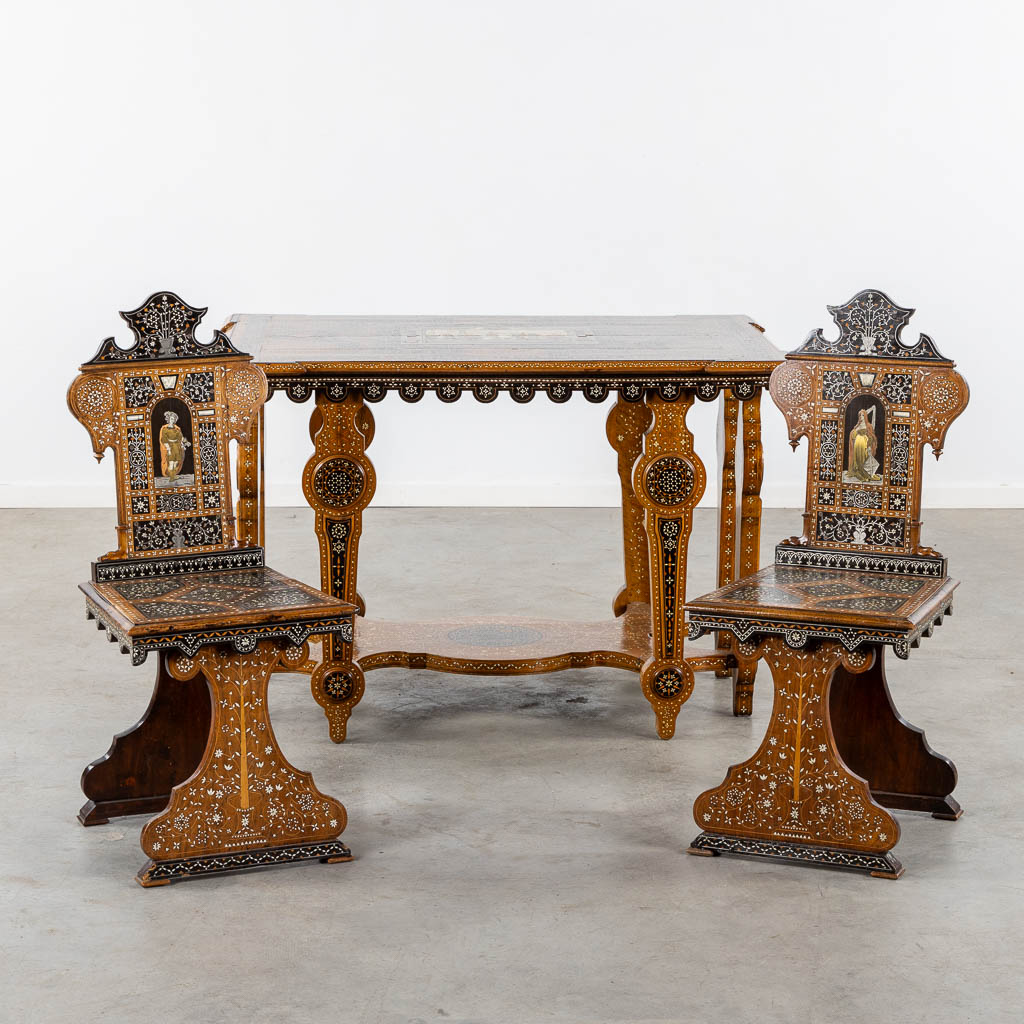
(168, 407)
(868, 404)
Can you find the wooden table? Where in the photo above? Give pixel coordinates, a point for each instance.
(656, 366)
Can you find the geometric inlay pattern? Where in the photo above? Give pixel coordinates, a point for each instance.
(669, 480)
(791, 589)
(338, 482)
(209, 594)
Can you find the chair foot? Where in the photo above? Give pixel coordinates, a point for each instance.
(100, 812)
(163, 872)
(951, 812)
(877, 865)
(697, 851)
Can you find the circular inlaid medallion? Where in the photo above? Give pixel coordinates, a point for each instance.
(338, 685)
(669, 480)
(940, 393)
(667, 683)
(338, 483)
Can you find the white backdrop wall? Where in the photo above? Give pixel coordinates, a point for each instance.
(513, 157)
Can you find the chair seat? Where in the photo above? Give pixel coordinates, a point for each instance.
(241, 606)
(838, 602)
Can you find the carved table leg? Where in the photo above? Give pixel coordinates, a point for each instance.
(796, 798)
(245, 805)
(893, 755)
(727, 510)
(625, 427)
(143, 764)
(668, 480)
(750, 535)
(339, 482)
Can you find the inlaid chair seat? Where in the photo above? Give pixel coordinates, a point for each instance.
(237, 606)
(802, 603)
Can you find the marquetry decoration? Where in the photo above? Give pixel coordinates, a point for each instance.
(183, 585)
(558, 381)
(249, 477)
(868, 405)
(627, 422)
(796, 788)
(870, 324)
(668, 480)
(857, 582)
(339, 482)
(245, 798)
(168, 413)
(164, 327)
(187, 611)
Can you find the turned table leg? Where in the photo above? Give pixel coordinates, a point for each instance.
(668, 480)
(797, 799)
(625, 427)
(144, 763)
(339, 482)
(879, 744)
(245, 805)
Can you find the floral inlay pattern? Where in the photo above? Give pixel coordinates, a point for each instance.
(880, 531)
(209, 450)
(173, 534)
(870, 324)
(138, 391)
(836, 385)
(199, 387)
(898, 387)
(138, 459)
(245, 794)
(796, 786)
(828, 449)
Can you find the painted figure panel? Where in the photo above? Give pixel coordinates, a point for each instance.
(171, 425)
(864, 450)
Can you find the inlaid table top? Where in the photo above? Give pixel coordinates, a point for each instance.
(613, 343)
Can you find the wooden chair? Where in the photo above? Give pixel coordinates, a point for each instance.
(857, 581)
(180, 585)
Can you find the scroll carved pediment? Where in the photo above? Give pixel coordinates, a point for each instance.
(164, 327)
(870, 325)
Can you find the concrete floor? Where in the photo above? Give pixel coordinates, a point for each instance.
(519, 842)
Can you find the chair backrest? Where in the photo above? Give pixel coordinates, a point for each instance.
(868, 404)
(168, 407)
